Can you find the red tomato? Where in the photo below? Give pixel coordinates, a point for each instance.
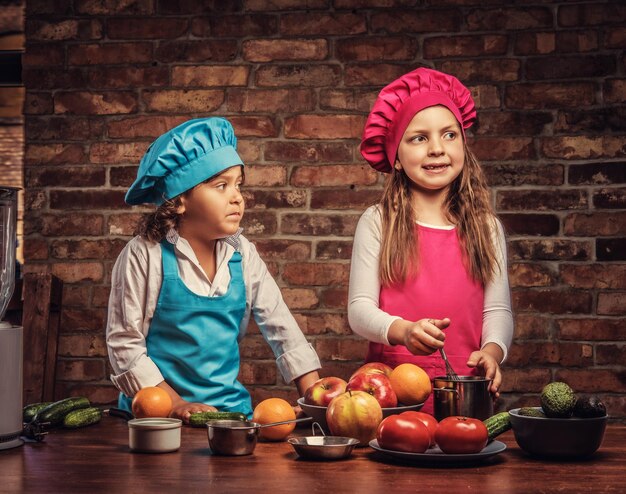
(461, 435)
(398, 433)
(429, 421)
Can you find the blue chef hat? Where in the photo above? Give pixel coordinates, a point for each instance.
(182, 158)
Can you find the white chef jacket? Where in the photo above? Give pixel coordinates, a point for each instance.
(135, 286)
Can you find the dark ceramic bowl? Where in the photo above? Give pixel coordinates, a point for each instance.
(558, 438)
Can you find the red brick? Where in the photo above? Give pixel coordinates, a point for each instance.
(260, 393)
(465, 46)
(594, 224)
(65, 177)
(53, 78)
(87, 249)
(256, 223)
(559, 67)
(34, 200)
(257, 372)
(151, 27)
(611, 303)
(509, 19)
(115, 152)
(82, 345)
(610, 354)
(614, 37)
(99, 7)
(611, 249)
(268, 50)
(341, 349)
(127, 77)
(416, 21)
(528, 275)
(525, 380)
(581, 147)
(503, 148)
(68, 29)
(324, 126)
(324, 24)
(43, 54)
(520, 174)
(351, 198)
(575, 355)
(547, 95)
(310, 152)
(532, 353)
(250, 126)
(597, 174)
(300, 298)
(610, 198)
(97, 394)
(122, 176)
(333, 175)
(109, 53)
(197, 7)
(54, 154)
(87, 199)
(375, 48)
(206, 50)
(556, 42)
(181, 100)
(265, 176)
(554, 301)
(100, 296)
(602, 276)
(264, 5)
(549, 250)
(63, 225)
(249, 150)
(591, 14)
(255, 347)
(530, 224)
(491, 70)
(78, 272)
(373, 74)
(597, 329)
(614, 91)
(486, 96)
(275, 199)
(323, 323)
(347, 99)
(542, 200)
(593, 380)
(318, 224)
(76, 296)
(532, 327)
(61, 128)
(316, 274)
(290, 250)
(80, 370)
(142, 126)
(38, 104)
(231, 26)
(511, 123)
(335, 298)
(36, 249)
(298, 75)
(596, 121)
(270, 100)
(89, 103)
(122, 224)
(332, 250)
(210, 75)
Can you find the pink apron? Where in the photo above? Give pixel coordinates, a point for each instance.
(442, 288)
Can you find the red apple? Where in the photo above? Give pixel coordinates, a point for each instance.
(354, 414)
(378, 385)
(373, 368)
(322, 391)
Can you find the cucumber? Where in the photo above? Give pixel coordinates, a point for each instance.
(55, 413)
(497, 424)
(82, 417)
(29, 411)
(199, 419)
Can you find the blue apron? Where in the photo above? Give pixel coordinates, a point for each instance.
(193, 339)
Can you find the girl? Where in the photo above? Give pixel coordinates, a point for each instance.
(431, 255)
(182, 291)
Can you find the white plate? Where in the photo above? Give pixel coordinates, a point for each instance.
(435, 455)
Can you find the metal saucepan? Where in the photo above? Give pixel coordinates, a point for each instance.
(237, 437)
(468, 396)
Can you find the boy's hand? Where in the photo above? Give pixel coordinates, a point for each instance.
(183, 409)
(488, 366)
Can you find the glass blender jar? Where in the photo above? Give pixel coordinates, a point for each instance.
(11, 350)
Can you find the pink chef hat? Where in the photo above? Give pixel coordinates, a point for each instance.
(400, 101)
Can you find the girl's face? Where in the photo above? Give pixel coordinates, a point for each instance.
(431, 150)
(213, 209)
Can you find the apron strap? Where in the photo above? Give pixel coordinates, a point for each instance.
(170, 264)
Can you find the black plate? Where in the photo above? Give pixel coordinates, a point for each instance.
(435, 455)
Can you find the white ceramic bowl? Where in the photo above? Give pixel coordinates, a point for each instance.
(319, 413)
(154, 435)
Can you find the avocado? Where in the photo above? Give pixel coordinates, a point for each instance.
(588, 407)
(558, 400)
(531, 412)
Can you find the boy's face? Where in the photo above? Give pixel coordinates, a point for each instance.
(213, 209)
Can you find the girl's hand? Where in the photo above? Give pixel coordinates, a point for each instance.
(425, 336)
(183, 409)
(489, 367)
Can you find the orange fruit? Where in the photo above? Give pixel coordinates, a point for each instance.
(151, 401)
(274, 410)
(411, 384)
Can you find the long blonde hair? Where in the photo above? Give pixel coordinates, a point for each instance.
(467, 205)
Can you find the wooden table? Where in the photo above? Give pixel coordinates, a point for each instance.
(97, 459)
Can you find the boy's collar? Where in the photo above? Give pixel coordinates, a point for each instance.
(172, 237)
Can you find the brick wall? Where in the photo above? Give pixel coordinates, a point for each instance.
(105, 78)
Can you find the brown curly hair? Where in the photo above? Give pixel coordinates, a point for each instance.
(155, 225)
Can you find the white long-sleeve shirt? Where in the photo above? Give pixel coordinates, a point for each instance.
(135, 286)
(368, 320)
